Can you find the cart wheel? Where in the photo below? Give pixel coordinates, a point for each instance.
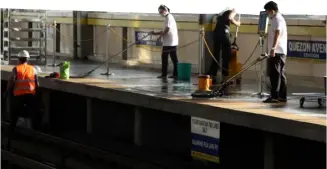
(320, 102)
(302, 101)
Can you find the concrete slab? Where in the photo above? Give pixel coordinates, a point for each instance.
(141, 88)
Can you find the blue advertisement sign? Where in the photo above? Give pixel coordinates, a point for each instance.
(205, 144)
(306, 49)
(205, 139)
(151, 40)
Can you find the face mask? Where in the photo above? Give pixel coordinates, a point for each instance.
(163, 15)
(270, 15)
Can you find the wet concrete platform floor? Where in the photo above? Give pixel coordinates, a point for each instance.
(144, 81)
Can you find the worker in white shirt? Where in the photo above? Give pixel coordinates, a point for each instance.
(277, 46)
(170, 41)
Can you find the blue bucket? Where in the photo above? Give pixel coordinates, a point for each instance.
(184, 71)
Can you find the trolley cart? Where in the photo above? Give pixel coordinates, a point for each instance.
(311, 97)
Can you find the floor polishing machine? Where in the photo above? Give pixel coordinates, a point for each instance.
(220, 91)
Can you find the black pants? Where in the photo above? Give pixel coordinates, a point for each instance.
(24, 106)
(172, 51)
(221, 43)
(276, 70)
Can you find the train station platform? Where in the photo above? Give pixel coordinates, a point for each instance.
(134, 106)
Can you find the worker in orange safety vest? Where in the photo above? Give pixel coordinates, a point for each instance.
(22, 86)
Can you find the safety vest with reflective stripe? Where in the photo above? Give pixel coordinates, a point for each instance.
(25, 80)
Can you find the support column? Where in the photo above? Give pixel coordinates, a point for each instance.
(138, 127)
(47, 108)
(30, 34)
(206, 22)
(124, 35)
(268, 152)
(201, 60)
(75, 35)
(1, 31)
(58, 41)
(83, 35)
(8, 108)
(89, 115)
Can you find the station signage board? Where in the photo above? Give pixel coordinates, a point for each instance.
(205, 139)
(306, 49)
(151, 40)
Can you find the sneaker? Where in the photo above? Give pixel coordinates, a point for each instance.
(270, 100)
(162, 77)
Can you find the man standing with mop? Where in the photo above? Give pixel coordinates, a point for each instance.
(277, 44)
(170, 41)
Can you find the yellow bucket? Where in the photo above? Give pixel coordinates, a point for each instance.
(204, 83)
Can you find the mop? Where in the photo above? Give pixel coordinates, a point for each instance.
(111, 57)
(220, 91)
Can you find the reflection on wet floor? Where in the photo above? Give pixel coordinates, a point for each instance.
(145, 82)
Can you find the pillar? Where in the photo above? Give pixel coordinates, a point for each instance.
(1, 31)
(58, 38)
(124, 35)
(268, 151)
(47, 108)
(8, 107)
(89, 115)
(83, 35)
(30, 34)
(138, 127)
(206, 21)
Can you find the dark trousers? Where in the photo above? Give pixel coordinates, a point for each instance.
(172, 51)
(24, 106)
(221, 43)
(276, 70)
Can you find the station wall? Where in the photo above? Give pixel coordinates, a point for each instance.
(145, 56)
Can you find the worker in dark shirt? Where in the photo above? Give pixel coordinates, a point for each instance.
(222, 43)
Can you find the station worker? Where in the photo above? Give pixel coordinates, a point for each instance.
(277, 45)
(170, 39)
(22, 85)
(222, 42)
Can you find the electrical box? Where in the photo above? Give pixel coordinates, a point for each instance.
(202, 19)
(263, 23)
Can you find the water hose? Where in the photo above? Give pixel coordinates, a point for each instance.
(111, 57)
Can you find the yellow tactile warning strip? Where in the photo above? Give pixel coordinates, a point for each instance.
(262, 109)
(241, 106)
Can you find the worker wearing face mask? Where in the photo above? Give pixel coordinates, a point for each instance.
(169, 36)
(277, 45)
(222, 42)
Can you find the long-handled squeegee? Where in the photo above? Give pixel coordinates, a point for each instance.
(101, 64)
(220, 91)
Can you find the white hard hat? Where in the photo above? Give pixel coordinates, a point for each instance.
(23, 54)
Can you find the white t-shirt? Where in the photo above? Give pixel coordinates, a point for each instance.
(171, 38)
(278, 23)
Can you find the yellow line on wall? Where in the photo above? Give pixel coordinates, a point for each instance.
(298, 59)
(141, 24)
(317, 31)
